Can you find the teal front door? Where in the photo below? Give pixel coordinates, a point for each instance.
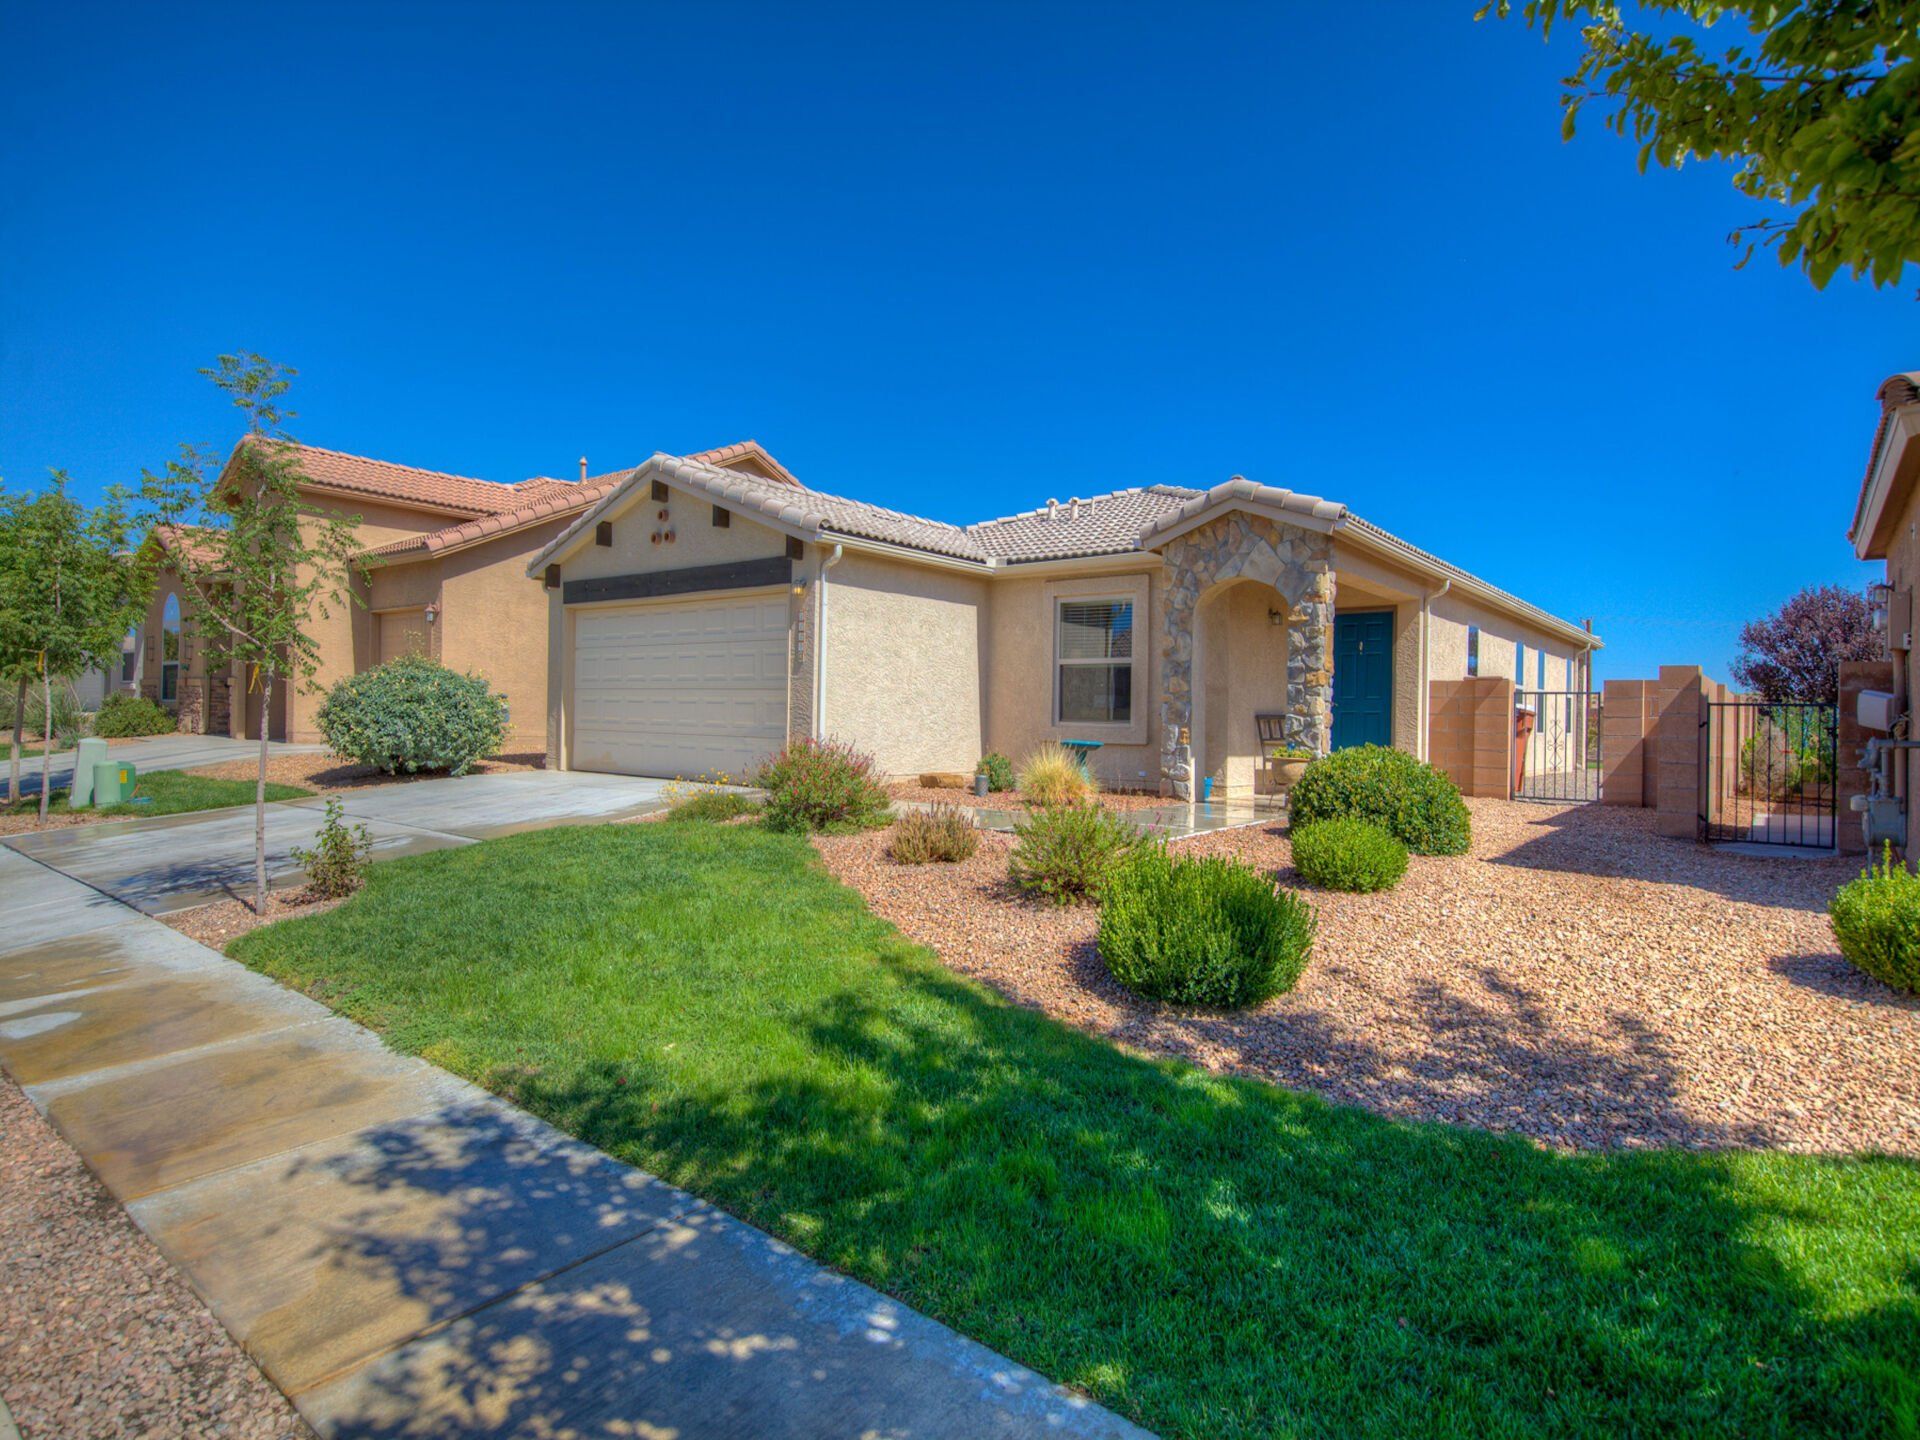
(1363, 678)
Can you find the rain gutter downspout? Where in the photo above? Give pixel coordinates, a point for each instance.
(820, 646)
(1425, 701)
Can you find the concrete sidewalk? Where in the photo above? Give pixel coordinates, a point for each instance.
(160, 752)
(405, 1255)
(174, 862)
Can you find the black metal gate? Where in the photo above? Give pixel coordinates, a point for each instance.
(1767, 773)
(1560, 751)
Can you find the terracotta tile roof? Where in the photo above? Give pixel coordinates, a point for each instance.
(729, 457)
(186, 540)
(410, 485)
(1896, 392)
(563, 499)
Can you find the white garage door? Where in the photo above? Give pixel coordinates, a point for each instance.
(688, 689)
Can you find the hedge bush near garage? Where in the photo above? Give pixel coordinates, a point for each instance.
(1409, 799)
(414, 714)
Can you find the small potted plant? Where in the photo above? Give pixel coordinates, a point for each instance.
(1286, 765)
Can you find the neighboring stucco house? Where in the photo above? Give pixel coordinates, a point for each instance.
(1886, 526)
(699, 616)
(444, 574)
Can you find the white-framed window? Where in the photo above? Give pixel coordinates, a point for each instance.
(1093, 662)
(170, 650)
(1473, 649)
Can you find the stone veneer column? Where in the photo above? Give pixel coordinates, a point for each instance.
(1298, 564)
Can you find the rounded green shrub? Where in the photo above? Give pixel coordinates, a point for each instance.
(998, 769)
(122, 715)
(1348, 855)
(821, 785)
(413, 714)
(1202, 931)
(1877, 921)
(1067, 853)
(1409, 799)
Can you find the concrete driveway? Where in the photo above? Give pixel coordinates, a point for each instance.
(161, 752)
(174, 862)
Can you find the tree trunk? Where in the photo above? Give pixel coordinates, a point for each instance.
(13, 760)
(46, 742)
(260, 803)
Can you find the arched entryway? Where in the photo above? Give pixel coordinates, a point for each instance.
(1240, 648)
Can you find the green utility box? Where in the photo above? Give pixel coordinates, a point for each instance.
(113, 782)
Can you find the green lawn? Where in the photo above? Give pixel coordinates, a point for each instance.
(1212, 1257)
(171, 792)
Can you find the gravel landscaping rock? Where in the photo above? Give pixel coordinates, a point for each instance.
(99, 1337)
(1575, 978)
(218, 925)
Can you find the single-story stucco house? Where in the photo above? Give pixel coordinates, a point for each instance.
(699, 616)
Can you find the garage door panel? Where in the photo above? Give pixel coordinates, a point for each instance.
(684, 689)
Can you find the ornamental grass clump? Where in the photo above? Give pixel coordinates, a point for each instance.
(1053, 775)
(1409, 799)
(944, 835)
(413, 714)
(1202, 931)
(1876, 918)
(1348, 855)
(820, 785)
(1065, 854)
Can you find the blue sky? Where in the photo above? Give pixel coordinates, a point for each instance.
(954, 260)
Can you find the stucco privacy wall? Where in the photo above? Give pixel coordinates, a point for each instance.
(903, 655)
(346, 632)
(635, 551)
(1451, 615)
(1297, 563)
(493, 621)
(1020, 663)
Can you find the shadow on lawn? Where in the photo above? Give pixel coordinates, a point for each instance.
(1220, 1257)
(1492, 1058)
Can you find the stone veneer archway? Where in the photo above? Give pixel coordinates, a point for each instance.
(1298, 564)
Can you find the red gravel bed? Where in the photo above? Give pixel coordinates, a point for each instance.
(99, 1337)
(1576, 978)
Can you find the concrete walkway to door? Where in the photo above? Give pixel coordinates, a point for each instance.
(405, 1255)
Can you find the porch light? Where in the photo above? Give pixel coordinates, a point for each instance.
(433, 612)
(1879, 597)
(1276, 617)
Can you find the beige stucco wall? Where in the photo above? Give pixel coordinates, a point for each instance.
(493, 621)
(903, 663)
(1019, 701)
(1243, 668)
(635, 551)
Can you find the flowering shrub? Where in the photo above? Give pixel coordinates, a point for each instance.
(944, 834)
(1066, 853)
(821, 785)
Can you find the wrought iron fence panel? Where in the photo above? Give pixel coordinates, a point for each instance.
(1768, 773)
(1560, 760)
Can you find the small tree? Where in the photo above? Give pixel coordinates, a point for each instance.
(259, 565)
(1796, 652)
(1820, 112)
(69, 590)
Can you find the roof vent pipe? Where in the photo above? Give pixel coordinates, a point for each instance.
(583, 467)
(1053, 509)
